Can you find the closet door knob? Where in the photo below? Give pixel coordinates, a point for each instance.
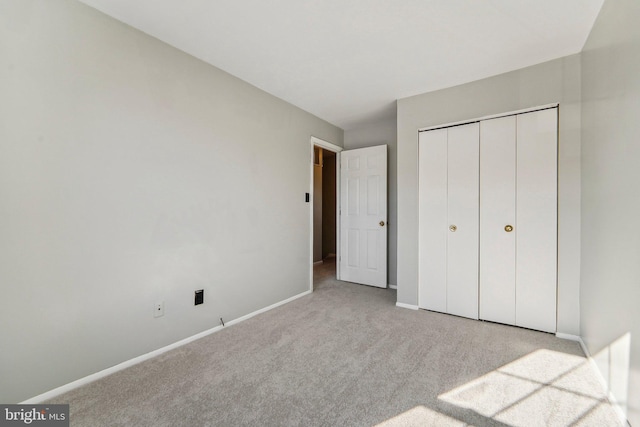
(381, 223)
(508, 228)
(452, 228)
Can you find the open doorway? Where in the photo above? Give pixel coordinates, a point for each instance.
(324, 212)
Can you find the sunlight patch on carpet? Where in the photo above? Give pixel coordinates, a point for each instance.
(421, 416)
(545, 387)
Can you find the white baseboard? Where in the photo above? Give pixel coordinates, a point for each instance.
(603, 382)
(264, 310)
(128, 363)
(318, 262)
(409, 306)
(568, 337)
(392, 286)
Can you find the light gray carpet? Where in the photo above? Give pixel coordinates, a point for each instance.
(346, 356)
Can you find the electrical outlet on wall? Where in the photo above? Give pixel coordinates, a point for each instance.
(158, 309)
(199, 299)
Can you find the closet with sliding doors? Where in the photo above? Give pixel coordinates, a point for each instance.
(488, 219)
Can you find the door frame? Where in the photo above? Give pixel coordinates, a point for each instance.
(491, 116)
(325, 145)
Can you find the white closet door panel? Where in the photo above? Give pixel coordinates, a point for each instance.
(463, 211)
(536, 207)
(497, 210)
(433, 229)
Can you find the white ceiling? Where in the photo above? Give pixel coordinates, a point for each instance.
(347, 61)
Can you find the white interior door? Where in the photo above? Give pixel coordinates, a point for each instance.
(497, 213)
(434, 228)
(463, 205)
(536, 207)
(363, 216)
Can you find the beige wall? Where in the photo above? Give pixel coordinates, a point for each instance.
(328, 203)
(132, 173)
(317, 213)
(610, 292)
(550, 82)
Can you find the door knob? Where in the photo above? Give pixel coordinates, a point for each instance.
(508, 228)
(381, 223)
(453, 228)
